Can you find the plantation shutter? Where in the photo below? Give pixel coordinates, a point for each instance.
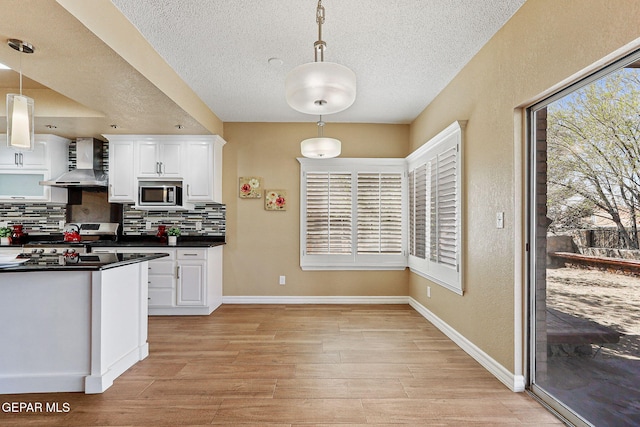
(379, 209)
(328, 213)
(418, 210)
(435, 208)
(444, 222)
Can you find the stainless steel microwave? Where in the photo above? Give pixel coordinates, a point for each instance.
(156, 193)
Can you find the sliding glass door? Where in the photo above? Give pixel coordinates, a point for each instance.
(584, 204)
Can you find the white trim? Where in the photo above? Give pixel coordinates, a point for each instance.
(519, 239)
(514, 382)
(315, 299)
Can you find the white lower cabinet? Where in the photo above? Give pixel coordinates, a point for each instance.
(192, 269)
(188, 281)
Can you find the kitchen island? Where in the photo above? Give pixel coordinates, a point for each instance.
(72, 322)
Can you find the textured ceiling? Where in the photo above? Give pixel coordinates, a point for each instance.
(149, 65)
(404, 52)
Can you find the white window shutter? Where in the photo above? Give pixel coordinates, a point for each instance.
(329, 216)
(435, 208)
(379, 202)
(444, 221)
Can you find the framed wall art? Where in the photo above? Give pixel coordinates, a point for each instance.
(250, 187)
(275, 200)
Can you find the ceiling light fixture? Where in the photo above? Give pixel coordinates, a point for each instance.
(320, 87)
(20, 126)
(320, 147)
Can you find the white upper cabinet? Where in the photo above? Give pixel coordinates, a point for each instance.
(203, 170)
(122, 182)
(159, 159)
(195, 161)
(11, 158)
(22, 171)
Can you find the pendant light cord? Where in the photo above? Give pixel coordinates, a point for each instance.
(21, 72)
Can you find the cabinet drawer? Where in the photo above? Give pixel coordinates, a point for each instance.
(161, 297)
(192, 254)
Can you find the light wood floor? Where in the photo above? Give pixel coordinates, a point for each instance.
(295, 365)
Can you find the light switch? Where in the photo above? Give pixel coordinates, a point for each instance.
(500, 220)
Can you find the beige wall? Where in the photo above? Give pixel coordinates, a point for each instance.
(263, 245)
(546, 42)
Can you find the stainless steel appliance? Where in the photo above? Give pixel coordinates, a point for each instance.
(159, 193)
(88, 172)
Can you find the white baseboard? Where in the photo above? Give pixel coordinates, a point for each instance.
(314, 300)
(514, 382)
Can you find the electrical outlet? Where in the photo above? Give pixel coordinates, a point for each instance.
(61, 224)
(148, 225)
(428, 291)
(283, 280)
(198, 225)
(500, 220)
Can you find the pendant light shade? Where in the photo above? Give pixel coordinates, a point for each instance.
(321, 147)
(20, 125)
(320, 87)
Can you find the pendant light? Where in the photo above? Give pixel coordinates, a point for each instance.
(320, 87)
(320, 147)
(20, 126)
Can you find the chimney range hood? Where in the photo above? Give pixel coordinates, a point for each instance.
(88, 172)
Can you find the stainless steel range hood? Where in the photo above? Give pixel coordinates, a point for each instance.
(88, 172)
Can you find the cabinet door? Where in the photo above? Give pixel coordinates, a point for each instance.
(148, 163)
(121, 178)
(36, 159)
(171, 159)
(191, 282)
(10, 158)
(199, 172)
(22, 185)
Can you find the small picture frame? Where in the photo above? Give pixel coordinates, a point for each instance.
(275, 200)
(250, 187)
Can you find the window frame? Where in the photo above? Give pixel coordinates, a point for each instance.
(353, 261)
(438, 272)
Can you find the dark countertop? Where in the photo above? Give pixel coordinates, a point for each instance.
(137, 241)
(83, 262)
(155, 244)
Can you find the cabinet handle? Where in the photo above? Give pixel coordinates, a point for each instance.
(18, 197)
(188, 190)
(161, 166)
(190, 254)
(21, 159)
(177, 272)
(15, 159)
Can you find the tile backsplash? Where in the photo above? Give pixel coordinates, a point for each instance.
(212, 217)
(36, 218)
